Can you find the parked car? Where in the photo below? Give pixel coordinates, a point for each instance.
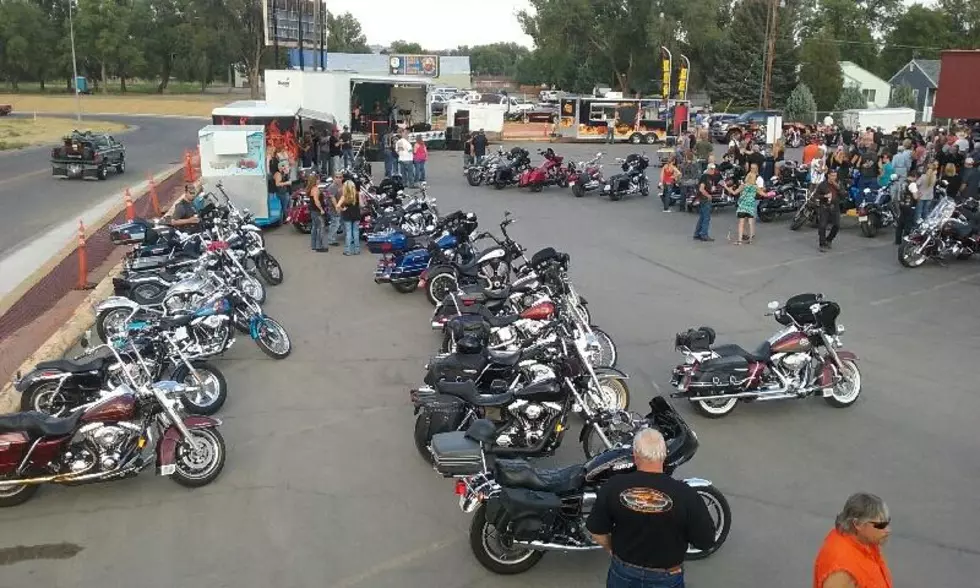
(438, 105)
(88, 155)
(718, 125)
(747, 121)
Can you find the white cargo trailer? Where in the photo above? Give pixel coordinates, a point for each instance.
(888, 119)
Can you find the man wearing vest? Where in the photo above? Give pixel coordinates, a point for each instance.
(851, 554)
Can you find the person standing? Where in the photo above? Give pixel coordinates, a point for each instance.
(331, 207)
(405, 159)
(748, 195)
(280, 185)
(850, 556)
(347, 148)
(828, 195)
(970, 176)
(908, 195)
(669, 177)
(317, 213)
(324, 152)
(703, 149)
(468, 151)
(420, 155)
(350, 213)
(611, 127)
(952, 178)
(646, 519)
(707, 186)
(391, 156)
(480, 143)
(927, 190)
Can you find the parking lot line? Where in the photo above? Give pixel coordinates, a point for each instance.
(817, 257)
(392, 564)
(966, 278)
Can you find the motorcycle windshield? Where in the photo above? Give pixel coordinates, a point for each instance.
(940, 214)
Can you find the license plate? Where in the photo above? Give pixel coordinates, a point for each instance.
(180, 334)
(862, 219)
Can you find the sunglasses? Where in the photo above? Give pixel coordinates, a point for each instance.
(880, 525)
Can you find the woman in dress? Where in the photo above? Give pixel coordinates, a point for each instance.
(747, 194)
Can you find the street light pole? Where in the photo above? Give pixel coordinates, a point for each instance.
(74, 66)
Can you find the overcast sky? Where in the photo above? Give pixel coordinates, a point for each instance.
(444, 24)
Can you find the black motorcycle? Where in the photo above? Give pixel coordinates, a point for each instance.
(482, 172)
(522, 511)
(785, 195)
(633, 180)
(507, 173)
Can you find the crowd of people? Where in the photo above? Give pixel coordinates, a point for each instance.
(404, 158)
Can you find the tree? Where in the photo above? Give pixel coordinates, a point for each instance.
(800, 106)
(344, 34)
(106, 33)
(851, 98)
(404, 48)
(847, 23)
(497, 59)
(20, 27)
(820, 69)
(903, 96)
(962, 21)
(920, 32)
(247, 40)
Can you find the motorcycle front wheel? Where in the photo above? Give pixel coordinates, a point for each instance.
(210, 392)
(721, 516)
(200, 464)
(845, 393)
(474, 177)
(798, 220)
(111, 322)
(269, 268)
(607, 356)
(495, 551)
(252, 288)
(908, 255)
(273, 339)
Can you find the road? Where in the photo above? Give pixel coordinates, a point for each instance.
(33, 201)
(323, 486)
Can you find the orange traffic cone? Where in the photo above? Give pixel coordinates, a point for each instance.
(154, 198)
(82, 259)
(130, 210)
(188, 168)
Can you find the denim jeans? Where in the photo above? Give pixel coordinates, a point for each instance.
(352, 237)
(391, 164)
(406, 169)
(704, 220)
(333, 226)
(348, 156)
(419, 171)
(317, 230)
(922, 209)
(624, 575)
(669, 195)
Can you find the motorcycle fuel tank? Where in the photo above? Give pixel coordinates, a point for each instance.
(790, 341)
(113, 408)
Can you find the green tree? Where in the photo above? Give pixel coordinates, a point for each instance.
(106, 32)
(800, 106)
(20, 27)
(820, 69)
(962, 21)
(404, 48)
(919, 32)
(846, 22)
(851, 98)
(497, 59)
(344, 34)
(246, 40)
(903, 96)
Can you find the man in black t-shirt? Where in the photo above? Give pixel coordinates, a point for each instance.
(183, 215)
(828, 195)
(480, 146)
(707, 187)
(347, 147)
(755, 157)
(646, 520)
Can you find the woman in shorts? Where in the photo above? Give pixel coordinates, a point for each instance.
(747, 194)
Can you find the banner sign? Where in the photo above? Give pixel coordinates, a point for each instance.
(666, 81)
(414, 65)
(428, 136)
(682, 83)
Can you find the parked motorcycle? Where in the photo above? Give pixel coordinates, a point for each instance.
(875, 211)
(950, 231)
(114, 437)
(521, 512)
(587, 176)
(633, 180)
(804, 359)
(786, 193)
(508, 173)
(549, 173)
(478, 173)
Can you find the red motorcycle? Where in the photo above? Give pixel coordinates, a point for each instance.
(115, 437)
(802, 360)
(549, 173)
(299, 212)
(587, 176)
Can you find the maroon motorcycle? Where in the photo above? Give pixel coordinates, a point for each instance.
(802, 360)
(587, 176)
(115, 437)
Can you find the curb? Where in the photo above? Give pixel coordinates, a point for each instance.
(64, 339)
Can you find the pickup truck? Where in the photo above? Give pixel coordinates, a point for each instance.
(88, 155)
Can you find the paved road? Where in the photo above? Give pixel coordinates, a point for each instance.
(323, 486)
(32, 201)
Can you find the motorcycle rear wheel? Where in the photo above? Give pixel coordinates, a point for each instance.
(493, 552)
(305, 228)
(577, 190)
(14, 495)
(440, 284)
(45, 398)
(718, 507)
(715, 409)
(405, 287)
(423, 436)
(870, 229)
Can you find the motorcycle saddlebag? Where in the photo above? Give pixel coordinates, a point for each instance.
(620, 183)
(455, 454)
(720, 373)
(129, 233)
(699, 339)
(387, 242)
(13, 445)
(529, 513)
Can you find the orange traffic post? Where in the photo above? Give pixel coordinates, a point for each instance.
(154, 198)
(82, 258)
(188, 171)
(130, 210)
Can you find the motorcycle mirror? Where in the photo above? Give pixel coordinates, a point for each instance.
(774, 305)
(507, 213)
(86, 339)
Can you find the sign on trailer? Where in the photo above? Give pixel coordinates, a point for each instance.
(414, 65)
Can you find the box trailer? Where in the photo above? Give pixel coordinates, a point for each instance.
(957, 94)
(887, 119)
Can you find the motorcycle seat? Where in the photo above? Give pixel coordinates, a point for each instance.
(173, 322)
(468, 392)
(518, 473)
(724, 365)
(762, 353)
(503, 321)
(504, 358)
(38, 424)
(86, 363)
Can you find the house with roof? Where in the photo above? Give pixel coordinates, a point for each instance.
(923, 77)
(875, 90)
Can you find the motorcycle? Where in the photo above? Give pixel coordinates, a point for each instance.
(521, 512)
(633, 180)
(478, 173)
(950, 231)
(875, 211)
(112, 438)
(731, 175)
(508, 173)
(549, 173)
(785, 195)
(587, 176)
(803, 359)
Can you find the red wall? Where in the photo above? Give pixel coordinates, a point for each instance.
(956, 96)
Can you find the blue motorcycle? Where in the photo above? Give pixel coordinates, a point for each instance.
(405, 257)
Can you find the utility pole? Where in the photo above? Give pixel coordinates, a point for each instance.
(324, 15)
(275, 29)
(74, 65)
(774, 6)
(301, 5)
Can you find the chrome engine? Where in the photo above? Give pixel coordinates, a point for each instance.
(100, 444)
(793, 366)
(531, 418)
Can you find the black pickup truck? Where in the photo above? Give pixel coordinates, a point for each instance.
(88, 155)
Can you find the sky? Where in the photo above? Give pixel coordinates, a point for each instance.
(437, 24)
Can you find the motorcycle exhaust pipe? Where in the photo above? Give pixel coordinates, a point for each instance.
(757, 395)
(542, 546)
(55, 479)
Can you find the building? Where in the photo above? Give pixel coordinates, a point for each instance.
(450, 71)
(876, 90)
(922, 75)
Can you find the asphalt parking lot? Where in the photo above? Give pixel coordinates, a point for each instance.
(323, 486)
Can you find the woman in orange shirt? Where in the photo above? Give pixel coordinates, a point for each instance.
(811, 151)
(851, 553)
